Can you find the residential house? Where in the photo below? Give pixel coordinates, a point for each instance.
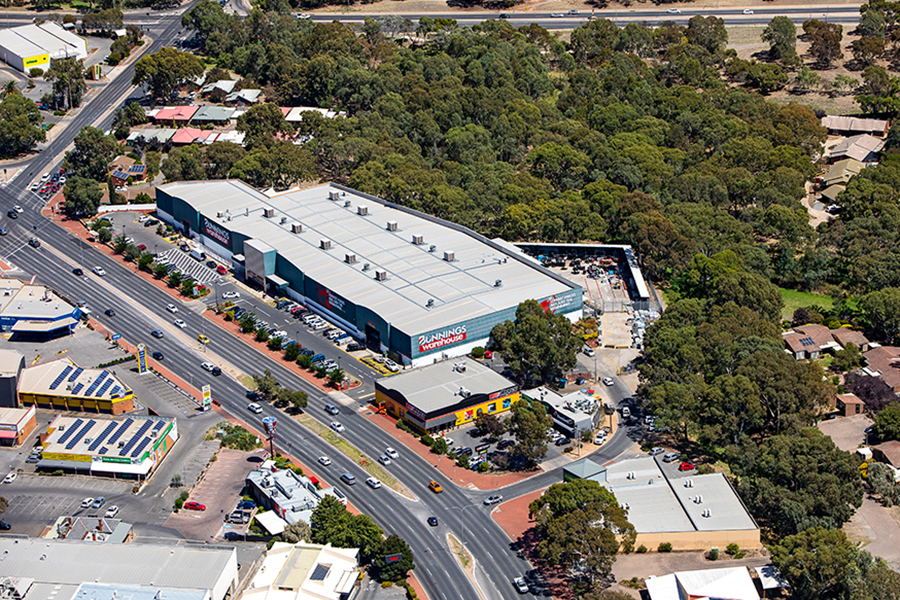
(212, 115)
(123, 167)
(884, 362)
(849, 405)
(175, 115)
(243, 98)
(163, 136)
(840, 172)
(809, 341)
(864, 148)
(888, 453)
(225, 86)
(188, 135)
(845, 335)
(855, 126)
(832, 192)
(295, 114)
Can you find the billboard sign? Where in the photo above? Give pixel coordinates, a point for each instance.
(330, 300)
(440, 339)
(142, 358)
(207, 397)
(116, 336)
(269, 424)
(557, 304)
(392, 558)
(217, 232)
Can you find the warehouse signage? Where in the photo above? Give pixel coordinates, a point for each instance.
(505, 392)
(556, 303)
(115, 459)
(330, 299)
(431, 341)
(216, 232)
(5, 427)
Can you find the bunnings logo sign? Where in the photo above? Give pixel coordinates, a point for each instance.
(216, 232)
(432, 341)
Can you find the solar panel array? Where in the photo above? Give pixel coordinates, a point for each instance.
(807, 341)
(60, 377)
(106, 431)
(115, 391)
(122, 429)
(127, 448)
(103, 450)
(96, 383)
(68, 433)
(159, 425)
(140, 447)
(77, 437)
(136, 169)
(75, 374)
(109, 381)
(77, 388)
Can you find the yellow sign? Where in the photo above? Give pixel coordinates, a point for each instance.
(71, 457)
(207, 396)
(40, 59)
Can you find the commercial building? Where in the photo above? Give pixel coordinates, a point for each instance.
(37, 46)
(62, 385)
(291, 496)
(571, 413)
(405, 282)
(90, 529)
(733, 583)
(445, 395)
(305, 571)
(60, 568)
(690, 511)
(34, 312)
(16, 424)
(12, 364)
(130, 447)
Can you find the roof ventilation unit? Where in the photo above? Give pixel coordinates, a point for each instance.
(220, 214)
(392, 225)
(349, 258)
(325, 244)
(380, 275)
(498, 283)
(283, 220)
(449, 255)
(417, 239)
(366, 267)
(347, 203)
(296, 228)
(362, 210)
(432, 248)
(430, 303)
(334, 196)
(269, 212)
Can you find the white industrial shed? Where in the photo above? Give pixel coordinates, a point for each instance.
(37, 46)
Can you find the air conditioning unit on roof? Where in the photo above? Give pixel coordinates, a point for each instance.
(349, 258)
(417, 239)
(269, 212)
(380, 275)
(325, 244)
(296, 228)
(392, 225)
(362, 210)
(449, 255)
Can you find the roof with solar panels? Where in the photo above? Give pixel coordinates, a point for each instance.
(123, 439)
(64, 378)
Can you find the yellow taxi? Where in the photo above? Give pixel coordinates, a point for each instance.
(202, 339)
(435, 487)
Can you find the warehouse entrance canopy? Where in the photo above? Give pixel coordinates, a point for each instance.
(42, 326)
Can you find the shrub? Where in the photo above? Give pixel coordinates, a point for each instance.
(484, 467)
(714, 554)
(178, 504)
(428, 440)
(642, 549)
(478, 352)
(463, 461)
(665, 547)
(387, 584)
(732, 549)
(439, 446)
(184, 496)
(35, 72)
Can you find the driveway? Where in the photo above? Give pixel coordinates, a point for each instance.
(883, 528)
(848, 433)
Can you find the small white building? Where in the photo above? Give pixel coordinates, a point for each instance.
(37, 46)
(305, 571)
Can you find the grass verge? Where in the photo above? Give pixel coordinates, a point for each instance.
(371, 467)
(462, 555)
(794, 300)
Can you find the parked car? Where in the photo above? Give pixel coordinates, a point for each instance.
(656, 450)
(10, 478)
(686, 466)
(354, 346)
(98, 502)
(86, 503)
(671, 456)
(111, 512)
(4, 526)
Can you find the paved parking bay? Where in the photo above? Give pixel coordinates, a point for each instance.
(191, 267)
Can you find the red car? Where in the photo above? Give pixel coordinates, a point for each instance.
(142, 247)
(221, 270)
(194, 506)
(685, 466)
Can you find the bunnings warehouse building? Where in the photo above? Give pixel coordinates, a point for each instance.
(402, 281)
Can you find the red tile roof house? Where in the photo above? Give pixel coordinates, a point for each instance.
(845, 335)
(809, 341)
(849, 405)
(884, 361)
(888, 452)
(176, 115)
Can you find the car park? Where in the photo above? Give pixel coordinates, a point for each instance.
(254, 408)
(493, 499)
(331, 409)
(98, 502)
(435, 487)
(99, 272)
(348, 479)
(521, 585)
(384, 460)
(337, 427)
(324, 461)
(373, 483)
(86, 503)
(179, 323)
(10, 478)
(111, 512)
(656, 450)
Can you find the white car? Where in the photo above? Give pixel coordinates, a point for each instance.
(45, 176)
(392, 453)
(337, 427)
(179, 323)
(10, 478)
(324, 461)
(304, 16)
(231, 295)
(384, 460)
(18, 209)
(557, 15)
(607, 381)
(493, 499)
(521, 585)
(99, 272)
(208, 366)
(588, 351)
(254, 408)
(379, 358)
(86, 503)
(373, 483)
(673, 11)
(391, 366)
(111, 512)
(172, 308)
(748, 11)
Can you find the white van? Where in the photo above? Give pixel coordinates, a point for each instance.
(310, 318)
(197, 254)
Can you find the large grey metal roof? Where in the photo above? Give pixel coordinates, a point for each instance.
(64, 562)
(436, 386)
(105, 591)
(461, 289)
(30, 40)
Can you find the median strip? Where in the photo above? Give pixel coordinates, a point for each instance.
(353, 453)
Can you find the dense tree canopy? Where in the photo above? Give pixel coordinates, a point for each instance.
(165, 70)
(20, 125)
